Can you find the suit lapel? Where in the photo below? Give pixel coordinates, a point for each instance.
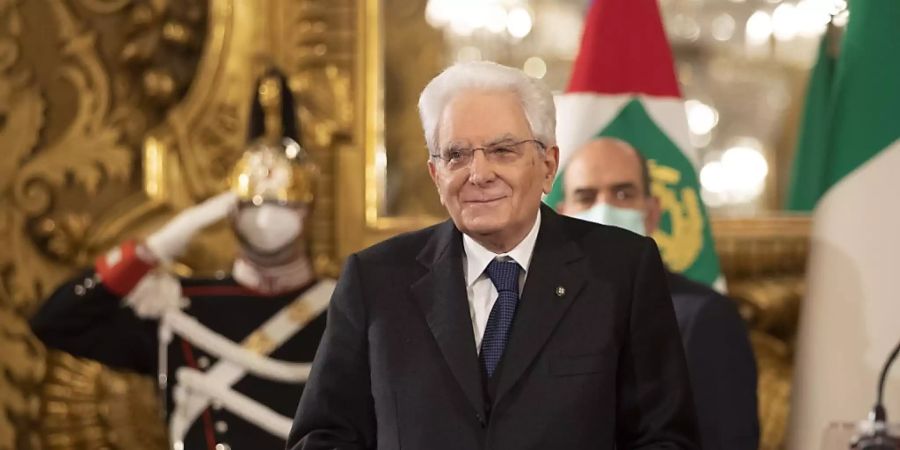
(554, 279)
(441, 294)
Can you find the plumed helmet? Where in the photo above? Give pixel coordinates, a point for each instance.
(274, 167)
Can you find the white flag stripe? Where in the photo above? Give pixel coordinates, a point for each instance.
(580, 116)
(852, 307)
(671, 117)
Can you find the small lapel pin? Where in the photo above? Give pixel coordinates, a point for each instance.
(560, 291)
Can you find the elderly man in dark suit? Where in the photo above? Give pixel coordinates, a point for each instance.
(607, 181)
(507, 326)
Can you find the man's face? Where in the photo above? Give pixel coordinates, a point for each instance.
(494, 198)
(608, 171)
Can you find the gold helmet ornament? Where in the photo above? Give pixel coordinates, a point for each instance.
(274, 167)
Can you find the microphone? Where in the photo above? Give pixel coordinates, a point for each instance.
(878, 437)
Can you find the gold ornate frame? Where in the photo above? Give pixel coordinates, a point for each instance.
(115, 149)
(363, 200)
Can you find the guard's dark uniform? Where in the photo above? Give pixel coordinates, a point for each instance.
(86, 319)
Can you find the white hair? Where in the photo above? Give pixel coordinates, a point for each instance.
(536, 98)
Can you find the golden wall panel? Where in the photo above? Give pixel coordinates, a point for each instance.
(408, 65)
(75, 102)
(114, 114)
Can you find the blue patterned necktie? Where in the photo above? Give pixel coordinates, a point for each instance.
(505, 276)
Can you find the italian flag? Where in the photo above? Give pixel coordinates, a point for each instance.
(623, 85)
(848, 169)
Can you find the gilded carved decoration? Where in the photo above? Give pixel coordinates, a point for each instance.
(384, 187)
(88, 406)
(64, 145)
(764, 262)
(114, 114)
(409, 63)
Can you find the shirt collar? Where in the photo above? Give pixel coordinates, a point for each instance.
(478, 257)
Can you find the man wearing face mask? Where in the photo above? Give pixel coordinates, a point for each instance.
(232, 353)
(607, 181)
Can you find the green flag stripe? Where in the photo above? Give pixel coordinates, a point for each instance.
(866, 105)
(853, 105)
(808, 171)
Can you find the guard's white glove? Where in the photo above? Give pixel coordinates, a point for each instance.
(169, 242)
(155, 294)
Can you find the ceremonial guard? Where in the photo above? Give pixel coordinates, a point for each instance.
(231, 354)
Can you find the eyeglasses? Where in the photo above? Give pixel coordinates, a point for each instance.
(500, 153)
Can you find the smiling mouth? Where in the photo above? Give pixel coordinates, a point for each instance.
(482, 201)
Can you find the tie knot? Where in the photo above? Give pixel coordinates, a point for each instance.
(504, 275)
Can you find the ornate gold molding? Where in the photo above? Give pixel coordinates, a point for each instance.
(72, 115)
(766, 245)
(764, 261)
(68, 188)
(399, 53)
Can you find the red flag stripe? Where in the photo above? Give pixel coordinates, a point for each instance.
(624, 50)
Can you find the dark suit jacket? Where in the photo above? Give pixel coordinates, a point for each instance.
(721, 365)
(594, 358)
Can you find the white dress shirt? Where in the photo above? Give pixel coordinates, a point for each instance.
(479, 288)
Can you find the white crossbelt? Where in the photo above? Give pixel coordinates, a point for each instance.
(195, 390)
(192, 382)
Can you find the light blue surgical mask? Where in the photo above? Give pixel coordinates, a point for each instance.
(605, 214)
